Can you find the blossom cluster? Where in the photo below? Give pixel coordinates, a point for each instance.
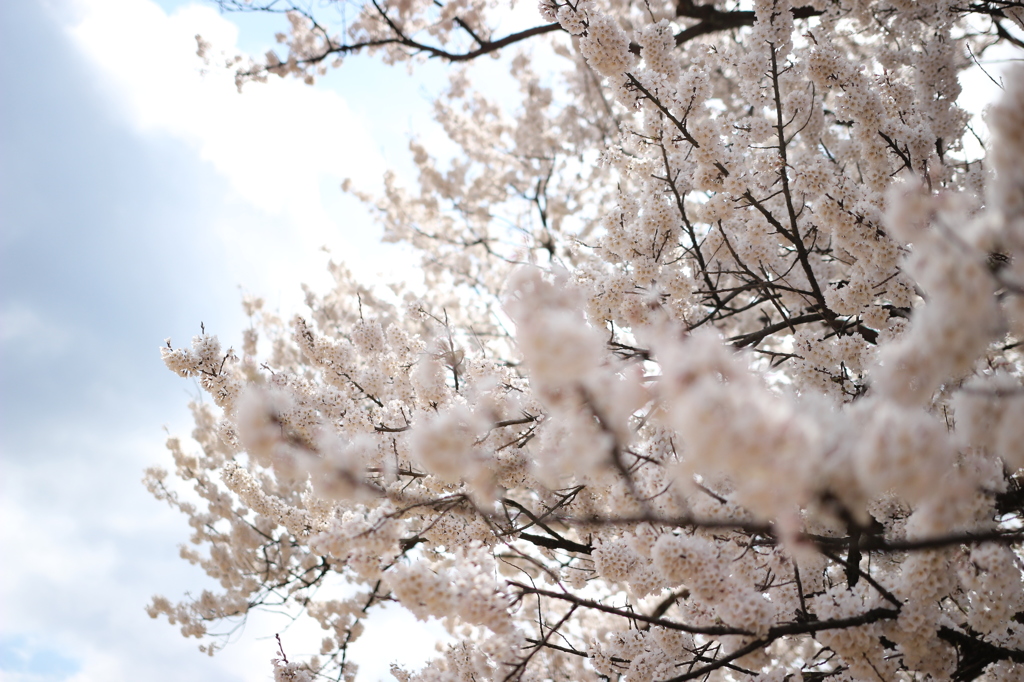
(716, 372)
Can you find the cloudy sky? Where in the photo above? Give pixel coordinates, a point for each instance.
(137, 197)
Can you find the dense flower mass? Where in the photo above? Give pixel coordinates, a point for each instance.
(717, 373)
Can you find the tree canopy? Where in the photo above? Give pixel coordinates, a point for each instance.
(716, 373)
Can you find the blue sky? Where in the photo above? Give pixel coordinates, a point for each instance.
(136, 198)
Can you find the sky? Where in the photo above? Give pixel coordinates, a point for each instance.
(138, 200)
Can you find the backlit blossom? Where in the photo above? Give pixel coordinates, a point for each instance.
(715, 372)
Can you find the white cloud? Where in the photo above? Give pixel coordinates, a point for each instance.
(82, 571)
(273, 143)
(280, 145)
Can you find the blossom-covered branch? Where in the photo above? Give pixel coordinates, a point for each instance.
(716, 374)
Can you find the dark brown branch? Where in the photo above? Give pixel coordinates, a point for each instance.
(630, 615)
(520, 668)
(555, 542)
(974, 654)
(875, 543)
(485, 47)
(713, 20)
(754, 338)
(872, 616)
(559, 543)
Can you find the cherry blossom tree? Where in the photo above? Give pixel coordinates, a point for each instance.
(716, 373)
